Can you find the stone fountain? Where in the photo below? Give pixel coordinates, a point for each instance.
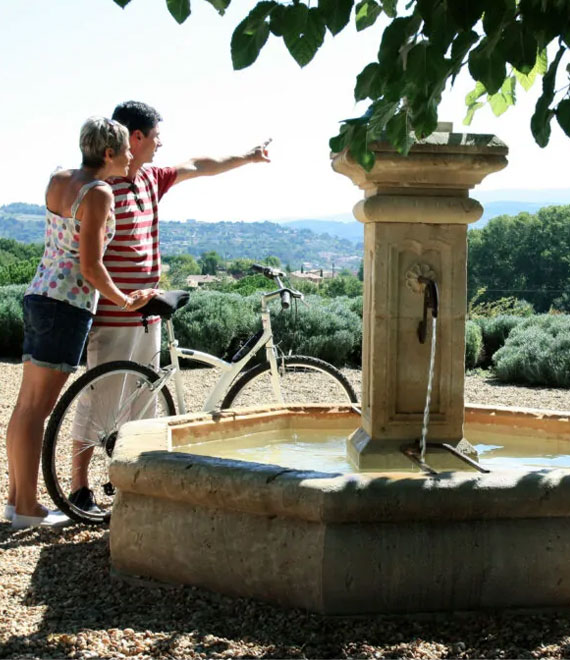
(383, 536)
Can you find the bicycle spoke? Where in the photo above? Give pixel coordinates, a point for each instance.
(84, 427)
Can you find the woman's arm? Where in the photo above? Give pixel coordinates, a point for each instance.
(95, 210)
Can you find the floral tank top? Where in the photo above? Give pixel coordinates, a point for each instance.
(59, 275)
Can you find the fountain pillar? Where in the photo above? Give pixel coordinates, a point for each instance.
(415, 211)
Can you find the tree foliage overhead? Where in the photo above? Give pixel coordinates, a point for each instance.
(503, 43)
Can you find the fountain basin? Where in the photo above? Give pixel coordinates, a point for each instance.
(339, 543)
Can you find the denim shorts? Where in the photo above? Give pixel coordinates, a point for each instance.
(55, 333)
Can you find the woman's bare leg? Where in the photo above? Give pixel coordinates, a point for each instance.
(39, 390)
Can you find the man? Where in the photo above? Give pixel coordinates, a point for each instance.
(133, 257)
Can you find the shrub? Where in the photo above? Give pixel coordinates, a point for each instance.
(245, 286)
(509, 306)
(11, 320)
(342, 285)
(219, 323)
(215, 322)
(495, 332)
(473, 344)
(328, 329)
(537, 352)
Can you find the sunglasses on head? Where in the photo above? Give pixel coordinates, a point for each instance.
(138, 201)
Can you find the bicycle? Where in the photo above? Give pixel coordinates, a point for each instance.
(87, 418)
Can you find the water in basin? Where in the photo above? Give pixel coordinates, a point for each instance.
(324, 450)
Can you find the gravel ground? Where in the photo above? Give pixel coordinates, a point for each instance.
(58, 600)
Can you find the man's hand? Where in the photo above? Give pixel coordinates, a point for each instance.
(259, 154)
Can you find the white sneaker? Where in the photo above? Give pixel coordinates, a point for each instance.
(53, 519)
(9, 511)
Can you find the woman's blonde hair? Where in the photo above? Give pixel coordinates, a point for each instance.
(99, 134)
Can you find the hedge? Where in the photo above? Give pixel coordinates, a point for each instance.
(220, 323)
(473, 344)
(11, 320)
(537, 352)
(536, 349)
(494, 332)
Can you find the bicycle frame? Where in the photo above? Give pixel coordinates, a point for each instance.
(229, 369)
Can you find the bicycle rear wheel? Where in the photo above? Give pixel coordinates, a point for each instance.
(82, 430)
(303, 379)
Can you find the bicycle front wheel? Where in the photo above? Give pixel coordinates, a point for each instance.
(82, 430)
(302, 379)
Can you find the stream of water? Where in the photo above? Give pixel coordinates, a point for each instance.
(429, 388)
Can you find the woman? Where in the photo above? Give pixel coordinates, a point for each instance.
(60, 303)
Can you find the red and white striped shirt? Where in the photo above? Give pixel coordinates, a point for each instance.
(133, 256)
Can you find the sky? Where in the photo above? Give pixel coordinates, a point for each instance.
(65, 60)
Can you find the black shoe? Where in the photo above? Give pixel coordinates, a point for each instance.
(84, 499)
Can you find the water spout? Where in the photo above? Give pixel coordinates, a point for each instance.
(431, 301)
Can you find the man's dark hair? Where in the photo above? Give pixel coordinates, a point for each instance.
(137, 116)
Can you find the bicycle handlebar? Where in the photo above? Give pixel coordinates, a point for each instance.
(270, 273)
(276, 275)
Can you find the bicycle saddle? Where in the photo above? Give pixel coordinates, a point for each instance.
(165, 304)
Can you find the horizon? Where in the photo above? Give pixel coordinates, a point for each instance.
(559, 196)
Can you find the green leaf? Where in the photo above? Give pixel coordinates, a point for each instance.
(368, 82)
(398, 132)
(395, 36)
(475, 94)
(122, 3)
(498, 103)
(220, 5)
(465, 13)
(540, 120)
(250, 35)
(563, 115)
(358, 148)
(546, 19)
(508, 89)
(306, 37)
(295, 18)
(382, 112)
(541, 63)
(498, 13)
(340, 141)
(461, 46)
(426, 72)
(550, 76)
(503, 99)
(487, 65)
(367, 12)
(519, 47)
(277, 20)
(540, 67)
(526, 81)
(438, 25)
(424, 117)
(336, 13)
(390, 8)
(471, 111)
(180, 9)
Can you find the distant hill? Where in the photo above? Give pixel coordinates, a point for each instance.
(253, 240)
(493, 209)
(257, 240)
(316, 242)
(353, 230)
(350, 229)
